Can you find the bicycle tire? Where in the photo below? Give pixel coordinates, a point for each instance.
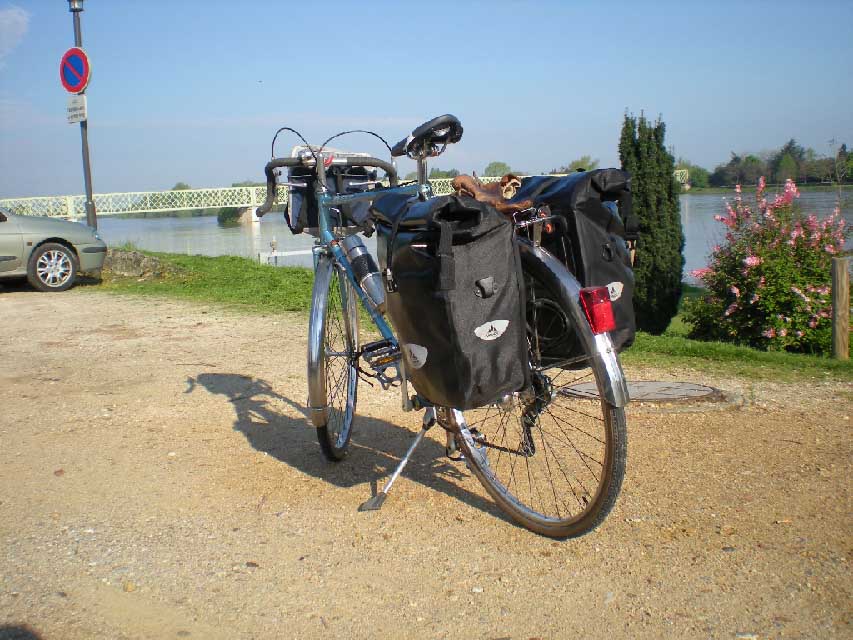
(333, 346)
(551, 432)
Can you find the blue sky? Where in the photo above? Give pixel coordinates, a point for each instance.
(193, 90)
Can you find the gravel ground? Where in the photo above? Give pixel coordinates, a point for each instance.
(158, 479)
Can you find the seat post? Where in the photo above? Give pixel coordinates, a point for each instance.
(422, 170)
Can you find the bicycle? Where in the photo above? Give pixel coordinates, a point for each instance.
(552, 456)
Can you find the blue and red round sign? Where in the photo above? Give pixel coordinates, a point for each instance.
(74, 70)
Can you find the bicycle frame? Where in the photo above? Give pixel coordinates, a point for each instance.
(328, 240)
(328, 253)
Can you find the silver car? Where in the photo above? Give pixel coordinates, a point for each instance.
(48, 252)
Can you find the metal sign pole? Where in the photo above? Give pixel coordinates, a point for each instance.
(91, 218)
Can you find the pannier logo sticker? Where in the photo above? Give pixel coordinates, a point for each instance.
(615, 290)
(417, 354)
(492, 330)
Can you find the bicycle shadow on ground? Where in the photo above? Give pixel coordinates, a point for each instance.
(18, 632)
(375, 449)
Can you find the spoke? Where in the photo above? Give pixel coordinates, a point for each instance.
(573, 426)
(548, 468)
(514, 458)
(582, 455)
(577, 411)
(562, 471)
(573, 380)
(568, 440)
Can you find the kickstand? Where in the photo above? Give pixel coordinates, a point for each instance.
(375, 503)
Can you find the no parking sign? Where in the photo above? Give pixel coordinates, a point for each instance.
(74, 70)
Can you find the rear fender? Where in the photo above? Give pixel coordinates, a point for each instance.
(612, 385)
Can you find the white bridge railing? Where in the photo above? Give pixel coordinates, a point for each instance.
(110, 204)
(107, 204)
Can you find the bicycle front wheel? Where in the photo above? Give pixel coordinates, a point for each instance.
(553, 457)
(333, 351)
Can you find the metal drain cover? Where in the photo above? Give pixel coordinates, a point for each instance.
(650, 391)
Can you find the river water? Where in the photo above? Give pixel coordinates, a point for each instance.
(205, 236)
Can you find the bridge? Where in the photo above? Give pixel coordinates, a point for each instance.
(110, 204)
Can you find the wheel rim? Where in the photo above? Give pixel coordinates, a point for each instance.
(54, 268)
(547, 452)
(340, 365)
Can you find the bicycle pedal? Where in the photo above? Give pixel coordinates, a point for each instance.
(375, 348)
(382, 356)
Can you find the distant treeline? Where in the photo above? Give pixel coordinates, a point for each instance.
(803, 165)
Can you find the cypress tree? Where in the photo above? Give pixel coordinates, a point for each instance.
(659, 258)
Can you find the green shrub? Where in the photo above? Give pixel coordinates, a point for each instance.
(768, 285)
(658, 262)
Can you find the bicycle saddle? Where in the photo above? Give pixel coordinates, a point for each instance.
(444, 129)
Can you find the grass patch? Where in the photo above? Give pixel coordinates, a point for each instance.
(728, 359)
(245, 285)
(228, 280)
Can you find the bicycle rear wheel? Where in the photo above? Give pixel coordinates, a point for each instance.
(333, 346)
(553, 458)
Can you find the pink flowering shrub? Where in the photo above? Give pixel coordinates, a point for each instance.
(768, 285)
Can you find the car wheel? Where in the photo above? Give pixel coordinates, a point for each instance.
(52, 267)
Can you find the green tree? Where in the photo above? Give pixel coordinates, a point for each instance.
(181, 186)
(584, 163)
(792, 155)
(744, 169)
(786, 168)
(659, 259)
(698, 177)
(497, 169)
(750, 170)
(842, 166)
(436, 173)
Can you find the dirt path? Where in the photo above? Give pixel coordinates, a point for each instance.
(158, 480)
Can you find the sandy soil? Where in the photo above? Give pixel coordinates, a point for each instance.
(158, 479)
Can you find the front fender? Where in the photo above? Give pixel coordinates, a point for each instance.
(317, 407)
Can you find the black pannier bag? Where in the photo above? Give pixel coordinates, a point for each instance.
(455, 296)
(303, 211)
(595, 220)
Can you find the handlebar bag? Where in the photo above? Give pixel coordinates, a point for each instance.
(596, 220)
(303, 210)
(455, 296)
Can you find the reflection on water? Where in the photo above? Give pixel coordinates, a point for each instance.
(205, 236)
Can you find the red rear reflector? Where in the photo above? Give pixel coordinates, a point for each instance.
(599, 311)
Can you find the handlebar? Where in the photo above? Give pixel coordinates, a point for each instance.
(350, 161)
